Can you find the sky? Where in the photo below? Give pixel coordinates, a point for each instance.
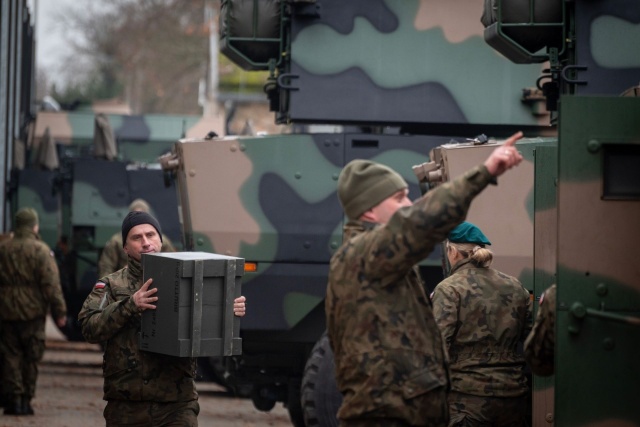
(51, 40)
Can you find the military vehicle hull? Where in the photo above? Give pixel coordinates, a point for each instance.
(421, 67)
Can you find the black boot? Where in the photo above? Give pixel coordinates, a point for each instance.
(27, 409)
(14, 406)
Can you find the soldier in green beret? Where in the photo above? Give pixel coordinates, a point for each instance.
(483, 315)
(141, 388)
(29, 288)
(390, 359)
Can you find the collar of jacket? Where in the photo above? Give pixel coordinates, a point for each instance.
(134, 268)
(23, 232)
(463, 264)
(353, 227)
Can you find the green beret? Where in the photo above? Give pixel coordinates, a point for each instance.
(363, 184)
(468, 233)
(26, 217)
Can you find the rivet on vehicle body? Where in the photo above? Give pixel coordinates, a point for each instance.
(327, 142)
(608, 343)
(549, 417)
(578, 310)
(298, 175)
(233, 148)
(200, 242)
(573, 329)
(593, 146)
(192, 173)
(307, 244)
(602, 289)
(335, 176)
(334, 245)
(243, 147)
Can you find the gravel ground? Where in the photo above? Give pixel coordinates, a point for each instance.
(69, 394)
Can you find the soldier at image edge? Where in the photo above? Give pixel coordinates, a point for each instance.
(29, 288)
(113, 257)
(391, 365)
(540, 344)
(141, 388)
(488, 381)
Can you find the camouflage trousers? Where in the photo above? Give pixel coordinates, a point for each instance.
(430, 408)
(151, 414)
(467, 410)
(22, 347)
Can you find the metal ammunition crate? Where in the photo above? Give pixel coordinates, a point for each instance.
(194, 312)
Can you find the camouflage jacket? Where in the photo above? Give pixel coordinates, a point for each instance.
(540, 344)
(483, 315)
(29, 279)
(386, 344)
(110, 316)
(113, 257)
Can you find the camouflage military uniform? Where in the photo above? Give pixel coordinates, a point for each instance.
(141, 387)
(540, 344)
(483, 315)
(113, 257)
(390, 358)
(29, 286)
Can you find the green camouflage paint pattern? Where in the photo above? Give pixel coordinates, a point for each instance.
(139, 138)
(296, 160)
(427, 54)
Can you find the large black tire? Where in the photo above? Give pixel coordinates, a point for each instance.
(320, 396)
(294, 403)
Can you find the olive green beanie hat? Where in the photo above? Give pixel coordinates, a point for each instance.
(363, 184)
(139, 205)
(26, 217)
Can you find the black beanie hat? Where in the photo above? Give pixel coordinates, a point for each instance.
(136, 218)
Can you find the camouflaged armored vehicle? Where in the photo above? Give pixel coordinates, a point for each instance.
(400, 78)
(80, 171)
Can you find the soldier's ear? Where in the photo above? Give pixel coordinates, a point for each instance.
(369, 216)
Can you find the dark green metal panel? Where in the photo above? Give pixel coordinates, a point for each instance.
(597, 375)
(545, 244)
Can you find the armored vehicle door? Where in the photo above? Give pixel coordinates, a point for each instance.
(598, 273)
(504, 212)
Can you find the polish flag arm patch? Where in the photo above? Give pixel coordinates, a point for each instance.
(99, 285)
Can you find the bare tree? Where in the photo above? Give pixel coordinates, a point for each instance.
(154, 51)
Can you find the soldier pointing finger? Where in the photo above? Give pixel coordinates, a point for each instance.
(390, 360)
